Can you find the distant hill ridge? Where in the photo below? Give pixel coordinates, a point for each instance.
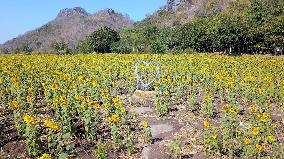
(72, 25)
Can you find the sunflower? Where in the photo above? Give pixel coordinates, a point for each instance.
(122, 109)
(51, 125)
(206, 124)
(31, 90)
(232, 110)
(45, 156)
(259, 147)
(115, 118)
(145, 124)
(14, 104)
(29, 119)
(247, 141)
(225, 107)
(272, 138)
(29, 99)
(255, 131)
(261, 90)
(214, 136)
(253, 109)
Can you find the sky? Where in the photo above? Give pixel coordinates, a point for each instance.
(20, 16)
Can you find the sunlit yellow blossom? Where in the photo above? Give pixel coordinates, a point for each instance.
(131, 78)
(29, 119)
(14, 79)
(166, 92)
(214, 136)
(77, 96)
(206, 124)
(51, 125)
(54, 87)
(14, 104)
(267, 104)
(225, 107)
(122, 109)
(106, 105)
(43, 84)
(115, 100)
(29, 99)
(145, 123)
(63, 100)
(94, 83)
(31, 90)
(255, 131)
(209, 96)
(261, 90)
(45, 156)
(272, 138)
(247, 141)
(94, 104)
(262, 119)
(253, 109)
(266, 115)
(115, 118)
(232, 110)
(259, 147)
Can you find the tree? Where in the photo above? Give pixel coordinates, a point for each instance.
(99, 41)
(25, 48)
(60, 46)
(274, 32)
(121, 47)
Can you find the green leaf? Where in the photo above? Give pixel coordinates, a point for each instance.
(70, 147)
(63, 156)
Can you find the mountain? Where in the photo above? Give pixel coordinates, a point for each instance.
(71, 25)
(182, 11)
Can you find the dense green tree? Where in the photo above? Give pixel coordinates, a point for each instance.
(99, 41)
(121, 47)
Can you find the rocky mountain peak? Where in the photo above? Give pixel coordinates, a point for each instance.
(68, 12)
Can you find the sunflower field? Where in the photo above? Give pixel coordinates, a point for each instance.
(55, 104)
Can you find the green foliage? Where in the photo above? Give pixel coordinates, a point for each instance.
(255, 27)
(99, 41)
(60, 46)
(121, 47)
(32, 136)
(175, 147)
(84, 47)
(273, 31)
(100, 152)
(23, 49)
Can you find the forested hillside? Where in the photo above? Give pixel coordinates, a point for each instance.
(239, 26)
(68, 28)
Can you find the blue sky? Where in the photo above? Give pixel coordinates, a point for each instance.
(19, 16)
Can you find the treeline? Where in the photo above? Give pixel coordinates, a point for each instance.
(255, 26)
